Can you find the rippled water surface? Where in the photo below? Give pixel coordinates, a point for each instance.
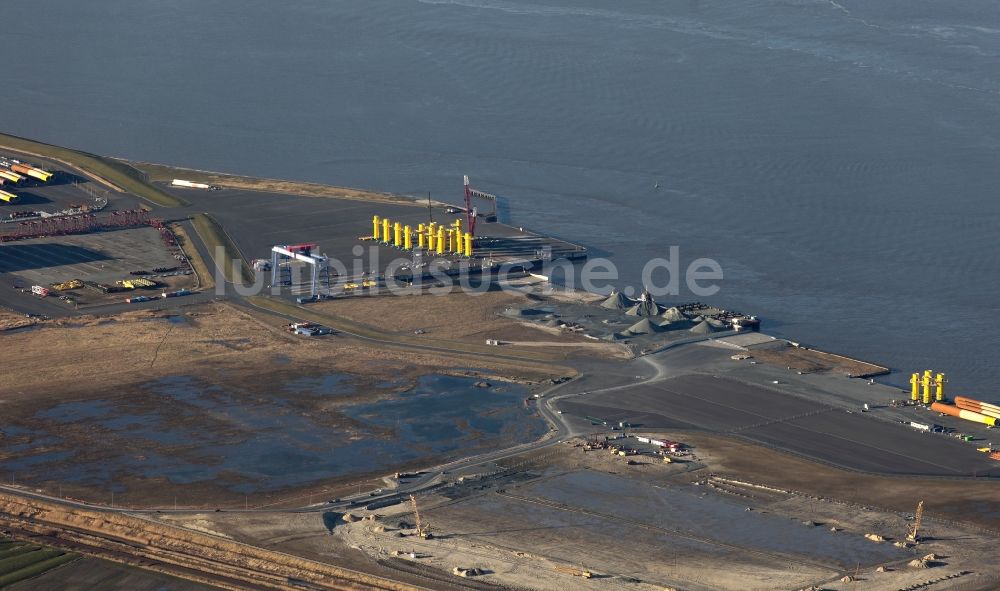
(838, 158)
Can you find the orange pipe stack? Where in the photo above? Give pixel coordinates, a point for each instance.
(985, 408)
(962, 413)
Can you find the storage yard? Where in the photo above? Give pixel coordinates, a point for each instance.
(820, 416)
(642, 324)
(76, 244)
(100, 267)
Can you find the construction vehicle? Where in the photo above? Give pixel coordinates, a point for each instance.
(350, 286)
(368, 283)
(576, 572)
(423, 529)
(913, 535)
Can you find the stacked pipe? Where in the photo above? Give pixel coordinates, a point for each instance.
(969, 415)
(11, 176)
(42, 175)
(985, 408)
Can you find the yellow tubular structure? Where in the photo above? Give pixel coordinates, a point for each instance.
(926, 383)
(420, 236)
(375, 228)
(397, 235)
(964, 414)
(408, 238)
(385, 230)
(440, 240)
(40, 174)
(458, 224)
(468, 244)
(939, 382)
(915, 387)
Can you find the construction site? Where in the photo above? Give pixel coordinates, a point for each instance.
(526, 438)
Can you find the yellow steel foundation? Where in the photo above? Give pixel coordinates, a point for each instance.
(440, 240)
(385, 230)
(375, 228)
(915, 387)
(926, 383)
(421, 240)
(468, 244)
(939, 383)
(408, 238)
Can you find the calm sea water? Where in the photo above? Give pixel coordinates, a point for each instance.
(841, 160)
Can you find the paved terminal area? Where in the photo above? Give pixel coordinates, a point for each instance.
(707, 390)
(258, 220)
(103, 257)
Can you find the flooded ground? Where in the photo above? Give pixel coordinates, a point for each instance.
(181, 431)
(710, 520)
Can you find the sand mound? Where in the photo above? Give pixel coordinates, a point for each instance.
(644, 326)
(673, 324)
(917, 563)
(717, 324)
(702, 327)
(617, 301)
(645, 307)
(466, 572)
(673, 314)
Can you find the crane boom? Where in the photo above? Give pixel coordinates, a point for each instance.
(914, 533)
(416, 512)
(423, 530)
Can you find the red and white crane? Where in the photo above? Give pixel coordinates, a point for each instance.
(470, 211)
